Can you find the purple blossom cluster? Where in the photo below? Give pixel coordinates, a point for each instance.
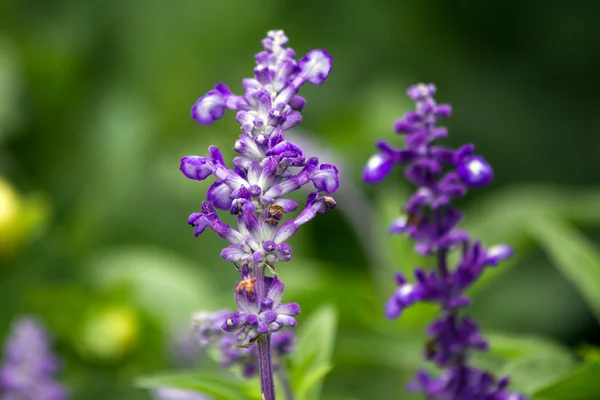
(29, 367)
(431, 221)
(208, 327)
(255, 190)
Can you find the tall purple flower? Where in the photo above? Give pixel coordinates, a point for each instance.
(441, 175)
(255, 189)
(29, 366)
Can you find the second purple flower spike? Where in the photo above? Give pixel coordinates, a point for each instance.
(255, 189)
(431, 221)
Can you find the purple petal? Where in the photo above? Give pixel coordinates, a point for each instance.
(262, 328)
(326, 178)
(315, 66)
(275, 291)
(443, 110)
(234, 254)
(377, 168)
(498, 253)
(403, 126)
(288, 205)
(195, 167)
(399, 225)
(288, 309)
(233, 322)
(209, 107)
(286, 320)
(286, 231)
(297, 103)
(219, 194)
(269, 316)
(291, 120)
(475, 172)
(392, 308)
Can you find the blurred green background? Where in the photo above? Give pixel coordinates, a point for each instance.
(94, 118)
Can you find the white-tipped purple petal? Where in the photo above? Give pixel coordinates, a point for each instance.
(262, 328)
(297, 102)
(286, 320)
(219, 194)
(275, 291)
(195, 167)
(475, 172)
(233, 322)
(377, 168)
(288, 309)
(254, 172)
(209, 107)
(286, 231)
(230, 178)
(400, 225)
(325, 178)
(291, 120)
(315, 66)
(288, 205)
(498, 253)
(392, 308)
(234, 254)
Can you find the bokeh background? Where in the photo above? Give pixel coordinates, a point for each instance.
(94, 118)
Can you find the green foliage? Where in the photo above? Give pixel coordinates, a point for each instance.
(220, 386)
(573, 254)
(583, 384)
(157, 281)
(312, 359)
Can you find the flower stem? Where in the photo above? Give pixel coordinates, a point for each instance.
(265, 367)
(265, 363)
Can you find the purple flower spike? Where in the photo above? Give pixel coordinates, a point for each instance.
(431, 221)
(28, 368)
(254, 190)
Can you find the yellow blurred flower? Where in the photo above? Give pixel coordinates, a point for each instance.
(11, 231)
(20, 217)
(108, 333)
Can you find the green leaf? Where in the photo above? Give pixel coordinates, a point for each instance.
(312, 359)
(162, 283)
(573, 254)
(582, 384)
(219, 386)
(530, 361)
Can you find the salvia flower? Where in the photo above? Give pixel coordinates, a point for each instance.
(29, 367)
(441, 175)
(255, 187)
(210, 335)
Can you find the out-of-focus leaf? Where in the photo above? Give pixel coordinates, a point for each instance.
(590, 353)
(573, 254)
(165, 285)
(503, 217)
(218, 386)
(312, 358)
(9, 88)
(582, 384)
(531, 362)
